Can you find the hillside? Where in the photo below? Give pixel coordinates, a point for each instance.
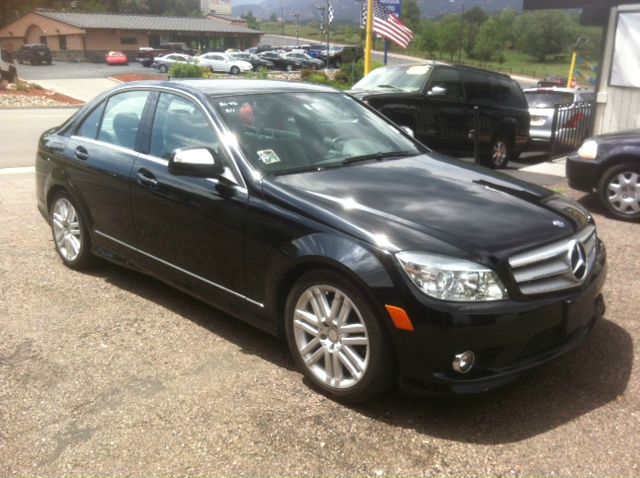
(349, 10)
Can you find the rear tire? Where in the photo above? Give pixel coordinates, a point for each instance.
(289, 68)
(162, 68)
(500, 151)
(234, 70)
(619, 191)
(70, 234)
(336, 338)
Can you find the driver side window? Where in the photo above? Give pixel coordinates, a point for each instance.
(449, 79)
(179, 123)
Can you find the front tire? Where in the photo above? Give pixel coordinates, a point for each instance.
(337, 338)
(619, 191)
(289, 68)
(70, 234)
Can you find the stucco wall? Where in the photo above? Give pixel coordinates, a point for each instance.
(29, 28)
(110, 40)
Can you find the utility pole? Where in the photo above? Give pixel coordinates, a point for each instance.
(297, 16)
(461, 33)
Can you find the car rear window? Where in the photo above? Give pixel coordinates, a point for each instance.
(548, 99)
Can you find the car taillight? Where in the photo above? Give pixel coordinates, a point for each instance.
(574, 121)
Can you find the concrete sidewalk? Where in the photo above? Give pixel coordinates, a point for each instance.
(84, 89)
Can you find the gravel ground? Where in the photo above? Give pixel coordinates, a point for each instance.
(113, 373)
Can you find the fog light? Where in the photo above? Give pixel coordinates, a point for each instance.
(463, 362)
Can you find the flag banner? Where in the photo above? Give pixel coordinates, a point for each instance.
(387, 25)
(330, 14)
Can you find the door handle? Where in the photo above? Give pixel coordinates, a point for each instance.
(146, 179)
(82, 153)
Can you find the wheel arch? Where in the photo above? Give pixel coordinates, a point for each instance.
(55, 187)
(614, 160)
(331, 253)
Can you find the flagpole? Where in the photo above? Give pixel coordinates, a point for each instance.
(367, 47)
(328, 28)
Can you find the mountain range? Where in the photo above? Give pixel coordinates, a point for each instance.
(349, 10)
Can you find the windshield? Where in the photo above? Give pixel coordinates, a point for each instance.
(411, 78)
(548, 99)
(283, 133)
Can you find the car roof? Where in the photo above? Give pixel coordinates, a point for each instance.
(233, 87)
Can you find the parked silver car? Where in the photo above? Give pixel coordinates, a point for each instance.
(574, 106)
(163, 63)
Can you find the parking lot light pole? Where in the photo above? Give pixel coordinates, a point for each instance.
(297, 17)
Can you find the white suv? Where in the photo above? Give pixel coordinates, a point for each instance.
(7, 68)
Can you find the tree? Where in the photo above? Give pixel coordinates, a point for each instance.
(427, 37)
(543, 33)
(489, 43)
(252, 22)
(411, 15)
(273, 18)
(448, 36)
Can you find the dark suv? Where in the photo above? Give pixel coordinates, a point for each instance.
(437, 101)
(34, 54)
(339, 55)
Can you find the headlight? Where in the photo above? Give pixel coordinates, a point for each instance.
(588, 150)
(448, 278)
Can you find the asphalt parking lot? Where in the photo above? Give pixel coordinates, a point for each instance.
(112, 372)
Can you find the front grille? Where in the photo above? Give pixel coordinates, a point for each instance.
(556, 266)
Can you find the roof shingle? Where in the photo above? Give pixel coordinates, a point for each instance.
(143, 22)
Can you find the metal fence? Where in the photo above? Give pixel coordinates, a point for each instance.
(570, 126)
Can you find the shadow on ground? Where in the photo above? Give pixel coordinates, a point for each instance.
(587, 378)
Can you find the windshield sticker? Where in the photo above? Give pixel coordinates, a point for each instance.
(268, 156)
(418, 70)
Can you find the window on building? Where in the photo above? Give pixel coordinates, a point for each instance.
(63, 42)
(129, 41)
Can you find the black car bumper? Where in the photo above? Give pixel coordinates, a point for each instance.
(582, 174)
(506, 338)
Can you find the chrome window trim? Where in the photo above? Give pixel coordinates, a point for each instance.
(180, 269)
(97, 142)
(163, 88)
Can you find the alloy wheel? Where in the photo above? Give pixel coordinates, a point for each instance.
(66, 229)
(331, 336)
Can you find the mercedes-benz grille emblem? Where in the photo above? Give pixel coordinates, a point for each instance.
(577, 260)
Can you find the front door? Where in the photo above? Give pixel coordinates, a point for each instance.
(189, 228)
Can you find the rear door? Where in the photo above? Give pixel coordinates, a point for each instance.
(102, 151)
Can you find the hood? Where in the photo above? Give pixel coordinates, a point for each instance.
(412, 201)
(629, 136)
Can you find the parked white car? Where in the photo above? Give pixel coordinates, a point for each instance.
(221, 62)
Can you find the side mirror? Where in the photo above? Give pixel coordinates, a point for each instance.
(195, 162)
(437, 91)
(407, 130)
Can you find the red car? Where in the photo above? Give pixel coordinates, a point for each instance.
(116, 58)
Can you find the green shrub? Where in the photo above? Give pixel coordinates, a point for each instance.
(186, 70)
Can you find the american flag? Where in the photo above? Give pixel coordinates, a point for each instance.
(388, 25)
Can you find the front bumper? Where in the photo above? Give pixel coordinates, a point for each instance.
(582, 174)
(506, 338)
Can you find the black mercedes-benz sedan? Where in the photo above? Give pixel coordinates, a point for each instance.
(308, 214)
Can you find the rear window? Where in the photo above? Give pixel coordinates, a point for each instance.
(548, 99)
(507, 92)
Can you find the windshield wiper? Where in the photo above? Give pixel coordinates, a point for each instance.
(389, 86)
(378, 156)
